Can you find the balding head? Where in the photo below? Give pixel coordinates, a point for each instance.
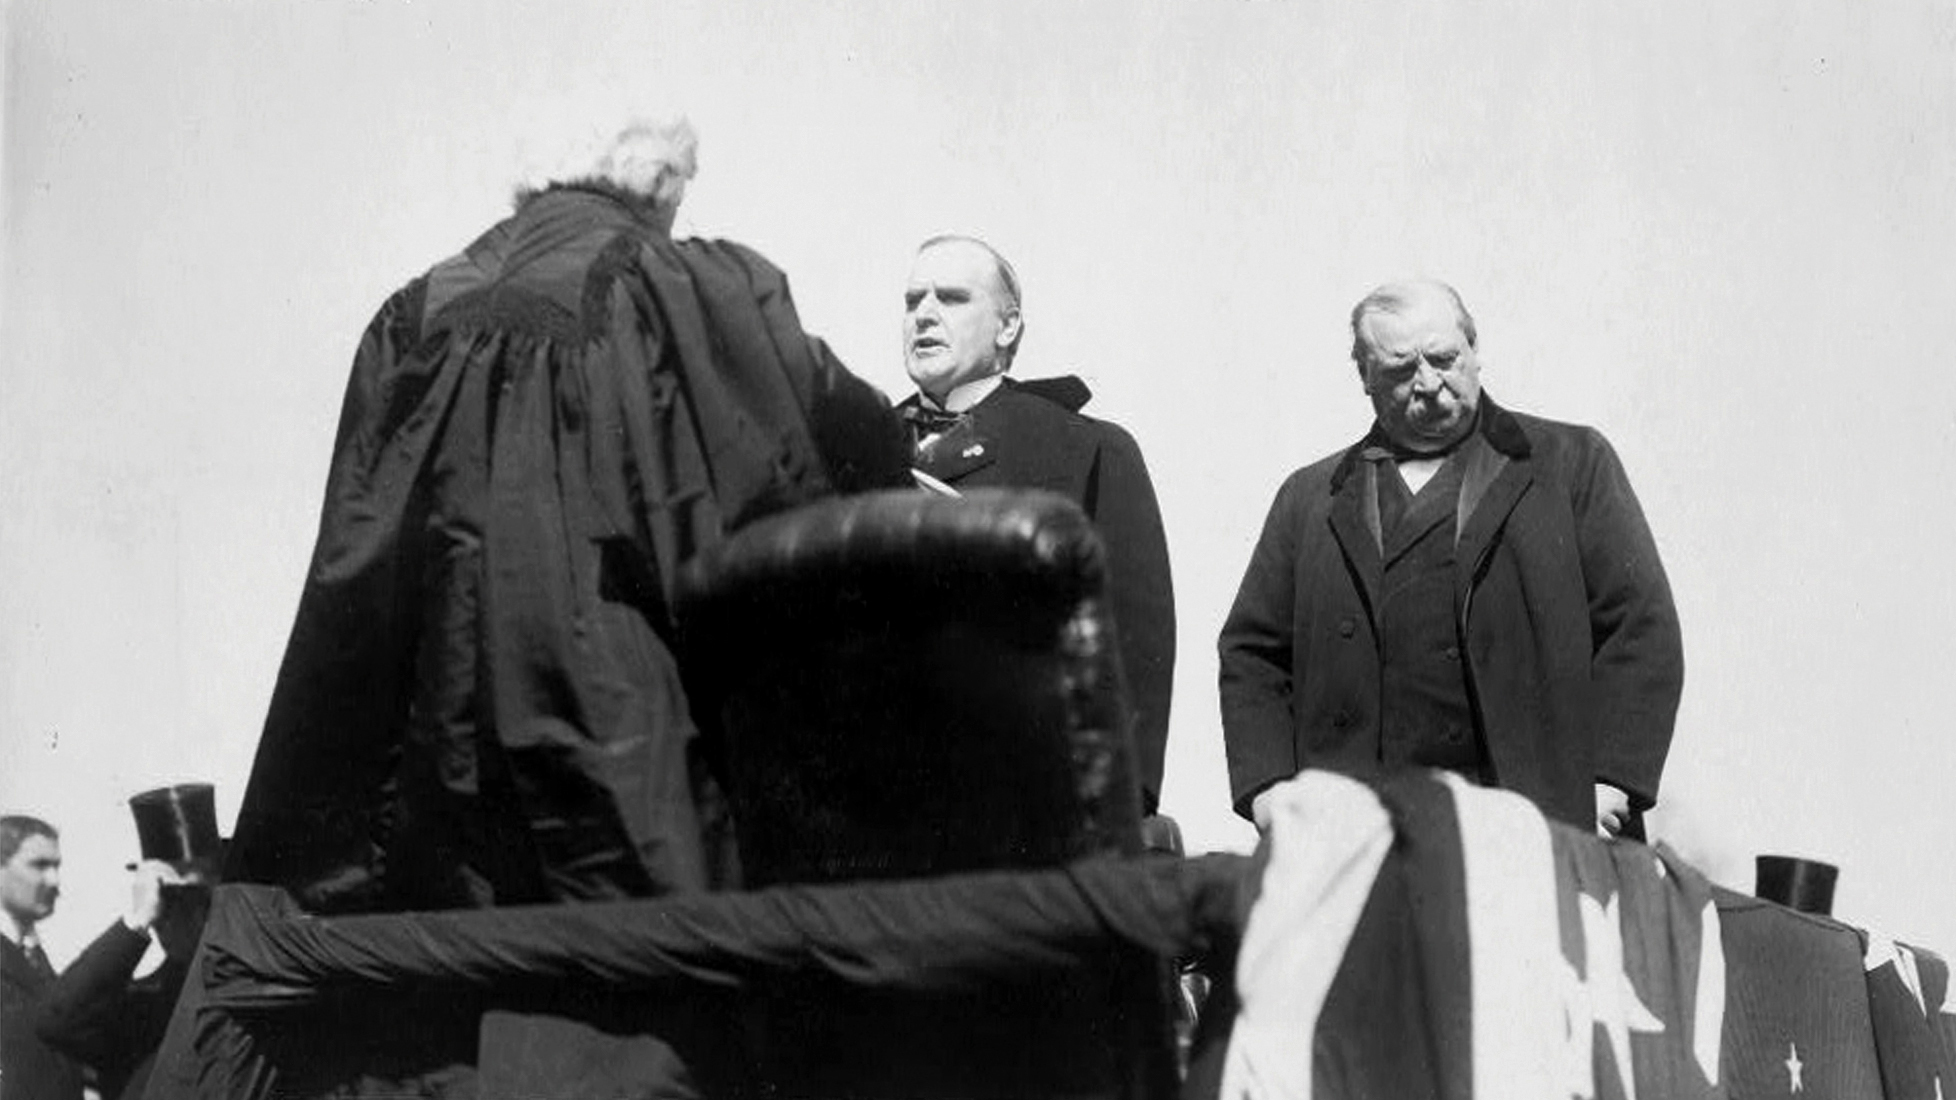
(1396, 297)
(961, 319)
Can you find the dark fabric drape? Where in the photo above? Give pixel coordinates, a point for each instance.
(264, 963)
(481, 702)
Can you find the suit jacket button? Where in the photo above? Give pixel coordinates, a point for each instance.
(1340, 720)
(1453, 653)
(1346, 628)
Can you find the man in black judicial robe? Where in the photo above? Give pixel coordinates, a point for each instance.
(974, 427)
(482, 702)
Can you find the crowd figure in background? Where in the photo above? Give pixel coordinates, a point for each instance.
(98, 1011)
(30, 885)
(974, 426)
(1466, 588)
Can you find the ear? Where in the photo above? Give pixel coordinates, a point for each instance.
(1008, 332)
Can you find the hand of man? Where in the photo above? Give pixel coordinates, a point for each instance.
(1612, 811)
(146, 893)
(1260, 808)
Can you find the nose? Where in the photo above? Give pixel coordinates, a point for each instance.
(1426, 379)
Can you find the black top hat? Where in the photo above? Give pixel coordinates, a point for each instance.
(1803, 884)
(178, 824)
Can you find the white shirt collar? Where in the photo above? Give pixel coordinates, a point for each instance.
(965, 395)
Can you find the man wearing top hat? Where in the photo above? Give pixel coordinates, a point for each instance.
(98, 1011)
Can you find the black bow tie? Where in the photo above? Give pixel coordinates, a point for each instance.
(927, 421)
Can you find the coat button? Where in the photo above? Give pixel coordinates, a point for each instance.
(1453, 653)
(1347, 627)
(1341, 719)
(1455, 735)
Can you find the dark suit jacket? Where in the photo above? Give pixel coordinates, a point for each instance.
(1573, 654)
(29, 1068)
(96, 1014)
(1031, 435)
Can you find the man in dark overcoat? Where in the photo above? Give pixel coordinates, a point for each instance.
(974, 427)
(1466, 588)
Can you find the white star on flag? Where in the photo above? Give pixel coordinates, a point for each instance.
(1794, 1083)
(1603, 995)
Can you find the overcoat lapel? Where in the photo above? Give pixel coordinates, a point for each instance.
(957, 453)
(1355, 524)
(1490, 488)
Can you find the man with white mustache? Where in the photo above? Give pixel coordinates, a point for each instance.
(1465, 588)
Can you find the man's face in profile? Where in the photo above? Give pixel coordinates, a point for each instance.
(30, 881)
(1421, 373)
(956, 320)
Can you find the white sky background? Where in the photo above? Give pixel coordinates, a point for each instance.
(1724, 237)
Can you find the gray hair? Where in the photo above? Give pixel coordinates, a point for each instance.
(16, 828)
(646, 162)
(1008, 281)
(1393, 297)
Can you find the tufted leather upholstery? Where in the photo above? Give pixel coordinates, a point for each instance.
(910, 684)
(903, 684)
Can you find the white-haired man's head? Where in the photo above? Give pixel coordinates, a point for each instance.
(646, 163)
(1417, 352)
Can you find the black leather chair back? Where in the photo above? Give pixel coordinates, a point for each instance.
(904, 685)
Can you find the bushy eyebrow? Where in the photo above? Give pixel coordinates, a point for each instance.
(915, 294)
(1438, 357)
